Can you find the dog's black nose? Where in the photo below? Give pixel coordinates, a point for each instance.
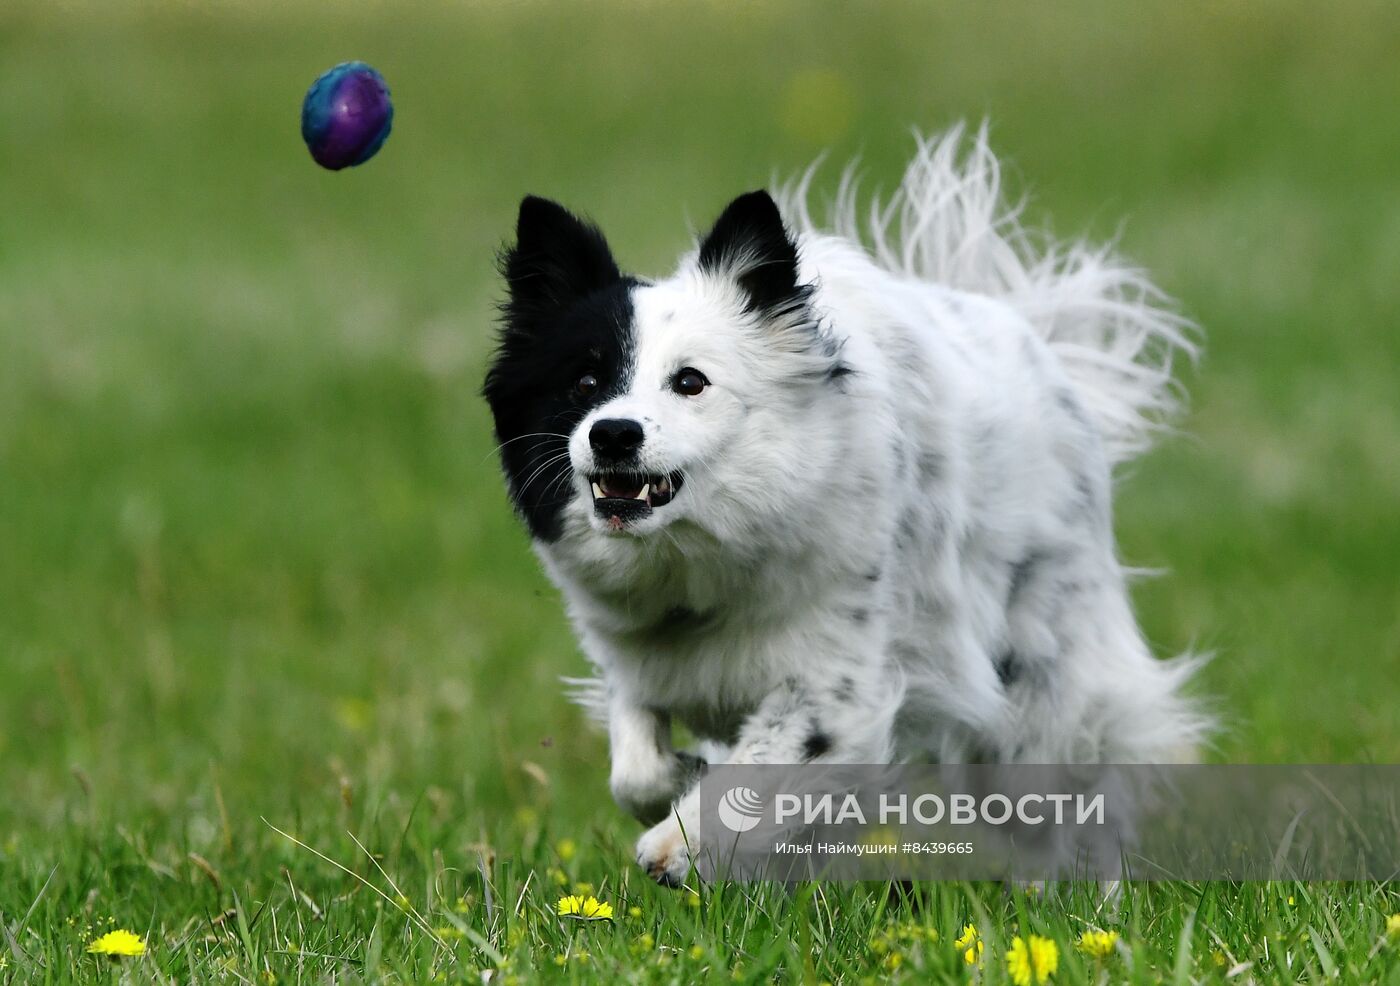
(614, 439)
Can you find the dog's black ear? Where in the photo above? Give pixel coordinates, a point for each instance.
(557, 258)
(750, 241)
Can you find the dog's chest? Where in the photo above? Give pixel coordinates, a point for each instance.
(707, 667)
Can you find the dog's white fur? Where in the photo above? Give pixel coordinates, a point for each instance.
(850, 563)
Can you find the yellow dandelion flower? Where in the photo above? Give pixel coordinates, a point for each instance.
(697, 952)
(912, 931)
(1018, 962)
(1098, 944)
(1392, 926)
(566, 848)
(1045, 957)
(909, 933)
(692, 899)
(634, 911)
(595, 909)
(584, 908)
(1032, 959)
(117, 944)
(970, 944)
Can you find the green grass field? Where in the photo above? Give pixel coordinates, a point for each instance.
(257, 568)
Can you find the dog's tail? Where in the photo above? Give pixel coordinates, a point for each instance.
(1114, 331)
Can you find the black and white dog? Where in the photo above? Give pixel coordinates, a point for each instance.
(842, 495)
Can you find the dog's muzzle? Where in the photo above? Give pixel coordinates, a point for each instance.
(623, 497)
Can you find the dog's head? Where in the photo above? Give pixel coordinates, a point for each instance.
(623, 406)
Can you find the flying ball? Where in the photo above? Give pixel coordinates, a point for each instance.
(346, 116)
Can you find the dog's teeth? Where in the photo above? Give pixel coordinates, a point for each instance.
(597, 492)
(646, 491)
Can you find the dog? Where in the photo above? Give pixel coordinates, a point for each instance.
(841, 494)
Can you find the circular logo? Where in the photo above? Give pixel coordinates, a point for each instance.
(740, 809)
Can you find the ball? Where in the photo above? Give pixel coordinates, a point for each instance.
(346, 116)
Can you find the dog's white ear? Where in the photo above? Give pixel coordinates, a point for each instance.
(557, 258)
(750, 243)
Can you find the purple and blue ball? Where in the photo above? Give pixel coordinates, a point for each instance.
(346, 116)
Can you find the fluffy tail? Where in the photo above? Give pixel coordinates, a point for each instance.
(1114, 331)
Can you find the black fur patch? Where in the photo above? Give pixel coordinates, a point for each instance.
(816, 744)
(1008, 668)
(681, 619)
(838, 371)
(679, 615)
(568, 312)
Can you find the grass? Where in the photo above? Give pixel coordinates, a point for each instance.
(257, 569)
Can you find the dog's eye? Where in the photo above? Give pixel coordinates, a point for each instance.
(586, 385)
(689, 382)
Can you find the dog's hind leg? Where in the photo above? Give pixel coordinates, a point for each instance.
(1083, 685)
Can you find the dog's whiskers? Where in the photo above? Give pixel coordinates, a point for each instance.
(518, 438)
(541, 468)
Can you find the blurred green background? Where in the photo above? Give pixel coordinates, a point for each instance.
(254, 549)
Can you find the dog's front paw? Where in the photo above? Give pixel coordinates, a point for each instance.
(646, 791)
(662, 852)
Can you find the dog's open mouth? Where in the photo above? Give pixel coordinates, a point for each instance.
(621, 497)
